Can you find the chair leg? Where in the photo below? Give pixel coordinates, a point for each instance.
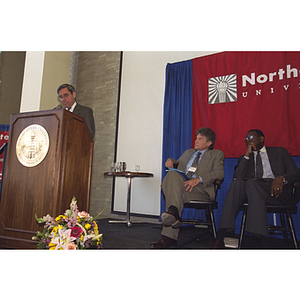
(210, 219)
(243, 227)
(283, 225)
(292, 228)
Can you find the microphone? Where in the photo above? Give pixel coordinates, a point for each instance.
(58, 106)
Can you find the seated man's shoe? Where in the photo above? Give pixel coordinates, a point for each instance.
(218, 245)
(171, 217)
(177, 224)
(164, 243)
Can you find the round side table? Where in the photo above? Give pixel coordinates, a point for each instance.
(129, 175)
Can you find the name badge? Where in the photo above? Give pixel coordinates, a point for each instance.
(192, 169)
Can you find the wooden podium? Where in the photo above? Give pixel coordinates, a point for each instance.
(43, 174)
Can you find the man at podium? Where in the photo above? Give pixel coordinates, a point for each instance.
(67, 96)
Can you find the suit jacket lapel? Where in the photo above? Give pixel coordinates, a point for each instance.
(204, 160)
(185, 159)
(76, 108)
(272, 158)
(251, 166)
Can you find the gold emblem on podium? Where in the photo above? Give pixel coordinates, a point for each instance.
(32, 145)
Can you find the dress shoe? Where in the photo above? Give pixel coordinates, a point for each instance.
(171, 217)
(218, 245)
(164, 243)
(177, 224)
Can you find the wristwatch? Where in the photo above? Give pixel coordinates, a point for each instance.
(283, 180)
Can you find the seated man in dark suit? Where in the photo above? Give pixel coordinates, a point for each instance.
(67, 96)
(263, 175)
(202, 166)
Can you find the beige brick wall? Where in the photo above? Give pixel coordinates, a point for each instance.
(95, 76)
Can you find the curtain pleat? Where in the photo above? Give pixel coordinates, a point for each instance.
(177, 123)
(4, 127)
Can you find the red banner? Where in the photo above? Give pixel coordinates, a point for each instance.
(3, 139)
(234, 92)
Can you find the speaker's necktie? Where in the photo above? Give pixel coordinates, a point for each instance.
(258, 166)
(194, 164)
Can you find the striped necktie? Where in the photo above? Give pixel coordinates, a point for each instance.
(194, 164)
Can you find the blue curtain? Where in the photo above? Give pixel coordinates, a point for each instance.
(177, 129)
(4, 127)
(177, 123)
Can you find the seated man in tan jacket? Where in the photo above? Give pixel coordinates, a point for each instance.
(197, 170)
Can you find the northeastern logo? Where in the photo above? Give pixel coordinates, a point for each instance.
(32, 145)
(222, 89)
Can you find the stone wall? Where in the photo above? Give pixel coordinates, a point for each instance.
(95, 76)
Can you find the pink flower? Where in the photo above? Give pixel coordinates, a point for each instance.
(83, 214)
(72, 246)
(76, 231)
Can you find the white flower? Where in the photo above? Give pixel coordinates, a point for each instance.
(97, 236)
(63, 239)
(47, 218)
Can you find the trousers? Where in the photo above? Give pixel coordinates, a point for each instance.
(257, 193)
(176, 195)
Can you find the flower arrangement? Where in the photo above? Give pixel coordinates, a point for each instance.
(72, 231)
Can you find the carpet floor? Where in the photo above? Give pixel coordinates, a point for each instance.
(140, 236)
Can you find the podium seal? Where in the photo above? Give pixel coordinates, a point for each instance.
(32, 145)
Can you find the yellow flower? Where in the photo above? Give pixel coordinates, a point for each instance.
(87, 226)
(59, 217)
(96, 228)
(54, 230)
(52, 246)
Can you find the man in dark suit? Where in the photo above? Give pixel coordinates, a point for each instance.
(199, 167)
(67, 96)
(263, 175)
